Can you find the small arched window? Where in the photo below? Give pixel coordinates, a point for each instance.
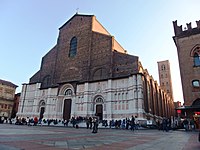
(196, 59)
(68, 92)
(99, 100)
(163, 67)
(195, 83)
(73, 47)
(42, 103)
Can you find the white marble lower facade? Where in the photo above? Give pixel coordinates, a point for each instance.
(114, 99)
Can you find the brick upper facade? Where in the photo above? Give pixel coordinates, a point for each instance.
(99, 56)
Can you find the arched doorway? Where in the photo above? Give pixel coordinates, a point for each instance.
(42, 110)
(99, 111)
(67, 109)
(196, 102)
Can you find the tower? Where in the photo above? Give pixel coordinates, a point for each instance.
(165, 77)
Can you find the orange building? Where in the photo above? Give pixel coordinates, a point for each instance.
(7, 93)
(188, 48)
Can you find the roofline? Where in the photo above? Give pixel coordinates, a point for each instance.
(7, 83)
(83, 15)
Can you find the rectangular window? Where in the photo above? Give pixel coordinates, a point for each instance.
(122, 105)
(115, 105)
(127, 105)
(119, 105)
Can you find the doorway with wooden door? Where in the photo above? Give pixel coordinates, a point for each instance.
(42, 110)
(67, 109)
(99, 111)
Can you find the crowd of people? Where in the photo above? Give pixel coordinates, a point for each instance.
(188, 124)
(127, 123)
(93, 123)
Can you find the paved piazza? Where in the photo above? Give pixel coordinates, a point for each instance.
(14, 137)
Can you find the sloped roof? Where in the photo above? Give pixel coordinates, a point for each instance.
(8, 83)
(99, 28)
(73, 17)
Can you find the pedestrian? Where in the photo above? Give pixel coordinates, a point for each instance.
(185, 124)
(164, 124)
(127, 123)
(132, 123)
(90, 121)
(2, 119)
(10, 120)
(123, 123)
(158, 125)
(95, 124)
(73, 121)
(87, 122)
(65, 122)
(35, 121)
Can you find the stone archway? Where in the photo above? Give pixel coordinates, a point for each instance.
(67, 92)
(99, 106)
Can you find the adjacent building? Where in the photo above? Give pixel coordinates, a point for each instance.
(187, 42)
(7, 93)
(15, 105)
(89, 73)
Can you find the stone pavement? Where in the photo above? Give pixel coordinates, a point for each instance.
(15, 137)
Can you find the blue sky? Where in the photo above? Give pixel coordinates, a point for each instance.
(29, 29)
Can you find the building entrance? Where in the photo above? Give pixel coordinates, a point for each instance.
(67, 109)
(99, 111)
(42, 109)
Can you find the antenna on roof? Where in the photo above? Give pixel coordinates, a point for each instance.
(77, 10)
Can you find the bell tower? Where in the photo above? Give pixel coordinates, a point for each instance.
(165, 77)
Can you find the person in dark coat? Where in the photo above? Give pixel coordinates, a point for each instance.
(95, 124)
(87, 122)
(132, 123)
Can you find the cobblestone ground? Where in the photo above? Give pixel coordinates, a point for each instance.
(13, 137)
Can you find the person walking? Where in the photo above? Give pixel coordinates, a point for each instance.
(87, 122)
(132, 123)
(95, 124)
(35, 121)
(90, 122)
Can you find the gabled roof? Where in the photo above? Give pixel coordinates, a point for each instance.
(73, 17)
(3, 82)
(99, 28)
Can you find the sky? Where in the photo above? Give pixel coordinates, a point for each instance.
(29, 29)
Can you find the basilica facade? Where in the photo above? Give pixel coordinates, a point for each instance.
(89, 73)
